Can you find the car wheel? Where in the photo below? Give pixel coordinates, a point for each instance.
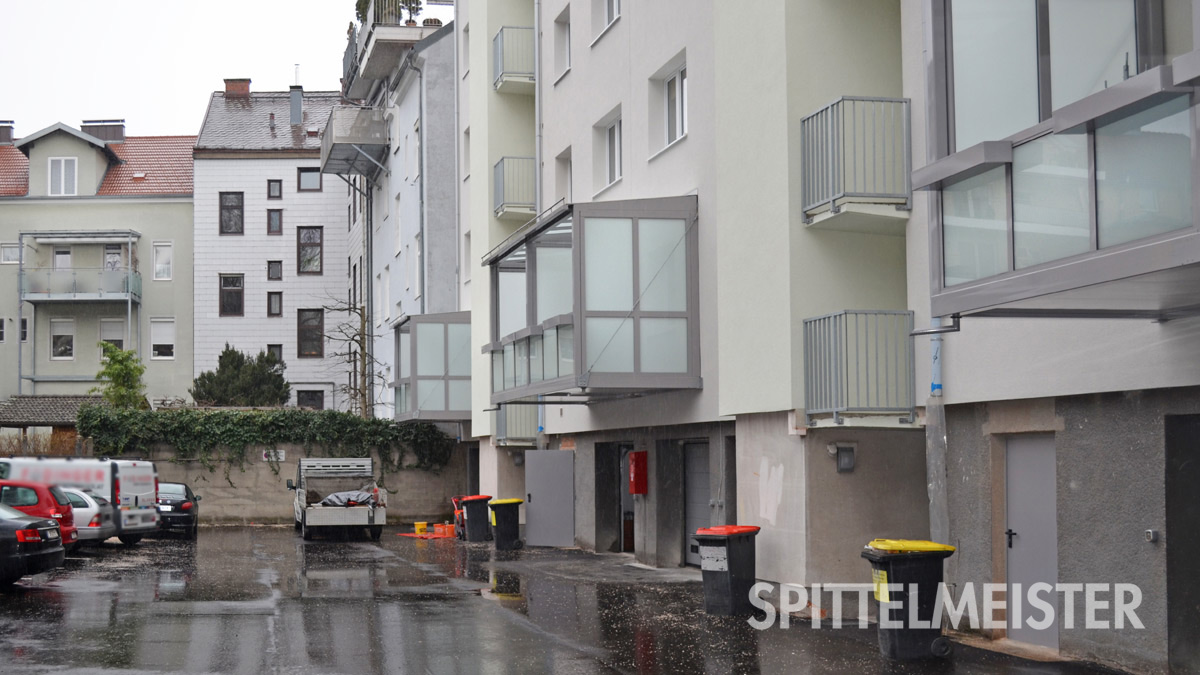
(941, 647)
(194, 531)
(305, 533)
(130, 539)
(376, 532)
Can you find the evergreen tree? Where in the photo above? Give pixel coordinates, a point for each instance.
(243, 381)
(121, 375)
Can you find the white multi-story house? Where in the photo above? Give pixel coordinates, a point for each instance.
(270, 239)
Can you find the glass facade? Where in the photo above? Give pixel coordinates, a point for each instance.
(975, 227)
(434, 367)
(1051, 213)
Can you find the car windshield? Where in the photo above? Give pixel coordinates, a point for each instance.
(171, 489)
(7, 512)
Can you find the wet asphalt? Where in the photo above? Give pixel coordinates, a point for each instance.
(261, 600)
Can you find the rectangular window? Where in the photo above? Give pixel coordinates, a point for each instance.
(112, 331)
(562, 41)
(231, 212)
(10, 254)
(24, 330)
(113, 258)
(274, 188)
(612, 137)
(309, 250)
(276, 351)
(274, 221)
(232, 289)
(275, 303)
(162, 261)
(62, 176)
(308, 179)
(310, 399)
(310, 333)
(274, 270)
(62, 339)
(62, 258)
(2, 322)
(162, 338)
(675, 91)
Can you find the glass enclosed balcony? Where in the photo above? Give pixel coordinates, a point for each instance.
(433, 353)
(354, 141)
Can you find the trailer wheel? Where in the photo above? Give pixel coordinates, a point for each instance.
(376, 532)
(130, 539)
(305, 533)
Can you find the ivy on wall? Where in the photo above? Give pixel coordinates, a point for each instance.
(213, 437)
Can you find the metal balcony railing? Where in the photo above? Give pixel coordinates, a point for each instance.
(514, 189)
(857, 149)
(859, 362)
(80, 283)
(512, 55)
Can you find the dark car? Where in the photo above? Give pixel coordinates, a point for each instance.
(178, 509)
(42, 501)
(28, 545)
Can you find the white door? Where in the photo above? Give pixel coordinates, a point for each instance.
(697, 512)
(1031, 535)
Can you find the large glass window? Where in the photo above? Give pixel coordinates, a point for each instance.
(162, 261)
(975, 227)
(434, 355)
(555, 284)
(1051, 216)
(231, 212)
(232, 295)
(512, 295)
(1143, 174)
(1093, 45)
(310, 252)
(608, 269)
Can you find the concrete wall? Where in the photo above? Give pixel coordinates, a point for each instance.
(772, 490)
(259, 495)
(499, 473)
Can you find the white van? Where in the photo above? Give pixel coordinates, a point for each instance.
(130, 484)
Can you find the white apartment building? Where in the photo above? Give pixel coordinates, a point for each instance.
(270, 239)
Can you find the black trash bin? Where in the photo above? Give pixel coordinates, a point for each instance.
(506, 523)
(727, 565)
(475, 517)
(902, 563)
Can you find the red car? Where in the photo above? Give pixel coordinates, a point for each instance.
(43, 501)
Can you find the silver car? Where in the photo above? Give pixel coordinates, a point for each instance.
(93, 515)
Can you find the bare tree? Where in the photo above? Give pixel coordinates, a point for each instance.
(352, 341)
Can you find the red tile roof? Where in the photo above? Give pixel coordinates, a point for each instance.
(152, 165)
(14, 172)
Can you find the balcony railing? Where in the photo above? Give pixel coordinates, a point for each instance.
(859, 362)
(49, 284)
(512, 60)
(514, 189)
(354, 141)
(856, 150)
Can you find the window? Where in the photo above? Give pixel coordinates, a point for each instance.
(10, 254)
(974, 227)
(612, 154)
(162, 261)
(2, 321)
(417, 266)
(62, 258)
(276, 351)
(562, 42)
(310, 399)
(274, 270)
(231, 294)
(310, 333)
(274, 221)
(466, 269)
(24, 330)
(231, 213)
(62, 176)
(275, 303)
(162, 338)
(612, 10)
(308, 179)
(113, 258)
(387, 291)
(62, 339)
(309, 251)
(675, 92)
(112, 331)
(274, 188)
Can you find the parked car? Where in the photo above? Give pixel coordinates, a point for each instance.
(178, 509)
(43, 501)
(28, 545)
(93, 515)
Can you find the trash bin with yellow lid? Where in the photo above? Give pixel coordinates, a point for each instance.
(506, 523)
(908, 571)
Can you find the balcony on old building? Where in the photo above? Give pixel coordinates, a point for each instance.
(859, 364)
(512, 60)
(47, 284)
(376, 48)
(855, 156)
(514, 188)
(433, 357)
(354, 141)
(79, 266)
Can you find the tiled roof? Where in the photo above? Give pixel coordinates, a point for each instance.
(163, 162)
(244, 123)
(14, 172)
(43, 411)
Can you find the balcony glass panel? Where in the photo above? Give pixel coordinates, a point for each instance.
(1093, 45)
(431, 394)
(405, 355)
(566, 350)
(431, 350)
(535, 358)
(608, 265)
(458, 336)
(610, 345)
(521, 363)
(511, 293)
(664, 345)
(460, 394)
(403, 396)
(555, 292)
(1143, 174)
(1050, 199)
(550, 365)
(662, 265)
(975, 227)
(497, 371)
(510, 367)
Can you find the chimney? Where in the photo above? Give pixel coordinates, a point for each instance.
(272, 122)
(297, 93)
(112, 131)
(6, 132)
(237, 87)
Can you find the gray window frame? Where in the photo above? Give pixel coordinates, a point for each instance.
(409, 326)
(272, 296)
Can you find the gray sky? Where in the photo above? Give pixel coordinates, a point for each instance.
(155, 64)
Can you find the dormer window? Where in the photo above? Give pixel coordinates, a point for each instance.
(62, 176)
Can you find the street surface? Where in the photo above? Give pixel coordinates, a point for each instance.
(261, 600)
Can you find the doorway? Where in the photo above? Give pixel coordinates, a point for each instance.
(697, 512)
(1183, 522)
(1031, 532)
(625, 502)
(549, 497)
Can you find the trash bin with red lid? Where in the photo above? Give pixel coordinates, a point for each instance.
(475, 517)
(727, 565)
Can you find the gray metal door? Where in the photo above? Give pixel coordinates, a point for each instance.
(697, 512)
(549, 498)
(1031, 533)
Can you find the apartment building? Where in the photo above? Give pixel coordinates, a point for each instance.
(270, 240)
(95, 245)
(1054, 239)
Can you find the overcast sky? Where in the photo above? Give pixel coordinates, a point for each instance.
(155, 64)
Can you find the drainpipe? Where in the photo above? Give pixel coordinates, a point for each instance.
(459, 258)
(421, 172)
(935, 364)
(935, 440)
(537, 102)
(20, 310)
